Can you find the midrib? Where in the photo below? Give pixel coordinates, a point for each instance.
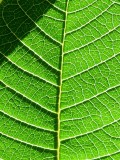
(60, 87)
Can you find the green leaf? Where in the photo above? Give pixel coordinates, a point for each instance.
(60, 79)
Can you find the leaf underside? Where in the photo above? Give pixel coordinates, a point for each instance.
(60, 79)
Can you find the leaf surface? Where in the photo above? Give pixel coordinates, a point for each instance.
(60, 79)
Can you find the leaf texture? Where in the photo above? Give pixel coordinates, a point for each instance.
(59, 79)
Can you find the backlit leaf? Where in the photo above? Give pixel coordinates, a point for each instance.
(60, 79)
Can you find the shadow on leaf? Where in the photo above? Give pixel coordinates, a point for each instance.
(17, 19)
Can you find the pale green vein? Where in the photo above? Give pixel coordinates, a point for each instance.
(76, 119)
(26, 143)
(39, 26)
(115, 2)
(108, 155)
(60, 89)
(26, 123)
(59, 9)
(113, 97)
(115, 137)
(72, 150)
(112, 13)
(92, 67)
(107, 106)
(81, 9)
(91, 42)
(48, 158)
(56, 19)
(85, 100)
(40, 57)
(30, 73)
(91, 20)
(7, 86)
(70, 141)
(90, 132)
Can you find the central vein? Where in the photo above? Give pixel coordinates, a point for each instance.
(60, 87)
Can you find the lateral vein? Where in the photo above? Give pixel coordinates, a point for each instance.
(26, 143)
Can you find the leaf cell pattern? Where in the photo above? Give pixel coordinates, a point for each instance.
(60, 79)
